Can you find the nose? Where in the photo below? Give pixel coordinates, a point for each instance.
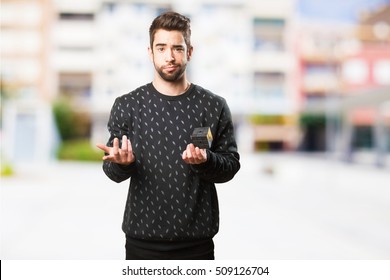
(169, 55)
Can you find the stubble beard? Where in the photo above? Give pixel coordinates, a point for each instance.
(173, 76)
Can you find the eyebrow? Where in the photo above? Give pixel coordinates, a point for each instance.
(163, 45)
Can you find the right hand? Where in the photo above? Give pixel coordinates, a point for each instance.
(123, 155)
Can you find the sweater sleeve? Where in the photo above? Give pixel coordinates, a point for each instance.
(223, 160)
(118, 126)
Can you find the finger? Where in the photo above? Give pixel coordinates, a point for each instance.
(189, 151)
(115, 149)
(129, 146)
(198, 154)
(107, 151)
(103, 147)
(123, 152)
(108, 157)
(204, 154)
(187, 158)
(124, 143)
(194, 157)
(194, 152)
(130, 155)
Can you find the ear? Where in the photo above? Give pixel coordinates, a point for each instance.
(189, 53)
(150, 51)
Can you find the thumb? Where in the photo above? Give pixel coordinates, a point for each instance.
(103, 147)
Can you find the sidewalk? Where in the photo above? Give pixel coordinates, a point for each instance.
(279, 206)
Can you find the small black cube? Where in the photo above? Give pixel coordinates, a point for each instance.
(201, 137)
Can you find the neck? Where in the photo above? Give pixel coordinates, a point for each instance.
(171, 88)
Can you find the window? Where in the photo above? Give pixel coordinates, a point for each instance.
(381, 72)
(320, 77)
(109, 7)
(269, 84)
(362, 137)
(25, 128)
(75, 85)
(355, 71)
(76, 16)
(268, 34)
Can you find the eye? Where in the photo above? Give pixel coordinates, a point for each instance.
(179, 49)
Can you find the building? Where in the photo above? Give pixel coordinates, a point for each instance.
(246, 60)
(343, 84)
(320, 49)
(88, 52)
(366, 86)
(272, 101)
(28, 131)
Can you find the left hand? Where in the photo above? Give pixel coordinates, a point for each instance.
(194, 155)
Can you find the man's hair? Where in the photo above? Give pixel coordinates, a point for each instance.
(171, 21)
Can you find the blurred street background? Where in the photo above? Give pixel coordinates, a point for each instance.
(308, 84)
(279, 206)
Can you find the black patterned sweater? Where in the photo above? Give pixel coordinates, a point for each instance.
(167, 198)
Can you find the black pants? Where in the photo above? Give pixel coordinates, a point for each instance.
(169, 250)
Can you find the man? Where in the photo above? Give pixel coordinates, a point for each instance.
(172, 208)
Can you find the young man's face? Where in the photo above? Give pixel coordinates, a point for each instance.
(169, 54)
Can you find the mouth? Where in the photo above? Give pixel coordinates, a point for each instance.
(170, 68)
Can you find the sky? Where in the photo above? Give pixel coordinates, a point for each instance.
(337, 10)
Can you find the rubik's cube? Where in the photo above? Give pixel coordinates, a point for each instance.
(202, 138)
